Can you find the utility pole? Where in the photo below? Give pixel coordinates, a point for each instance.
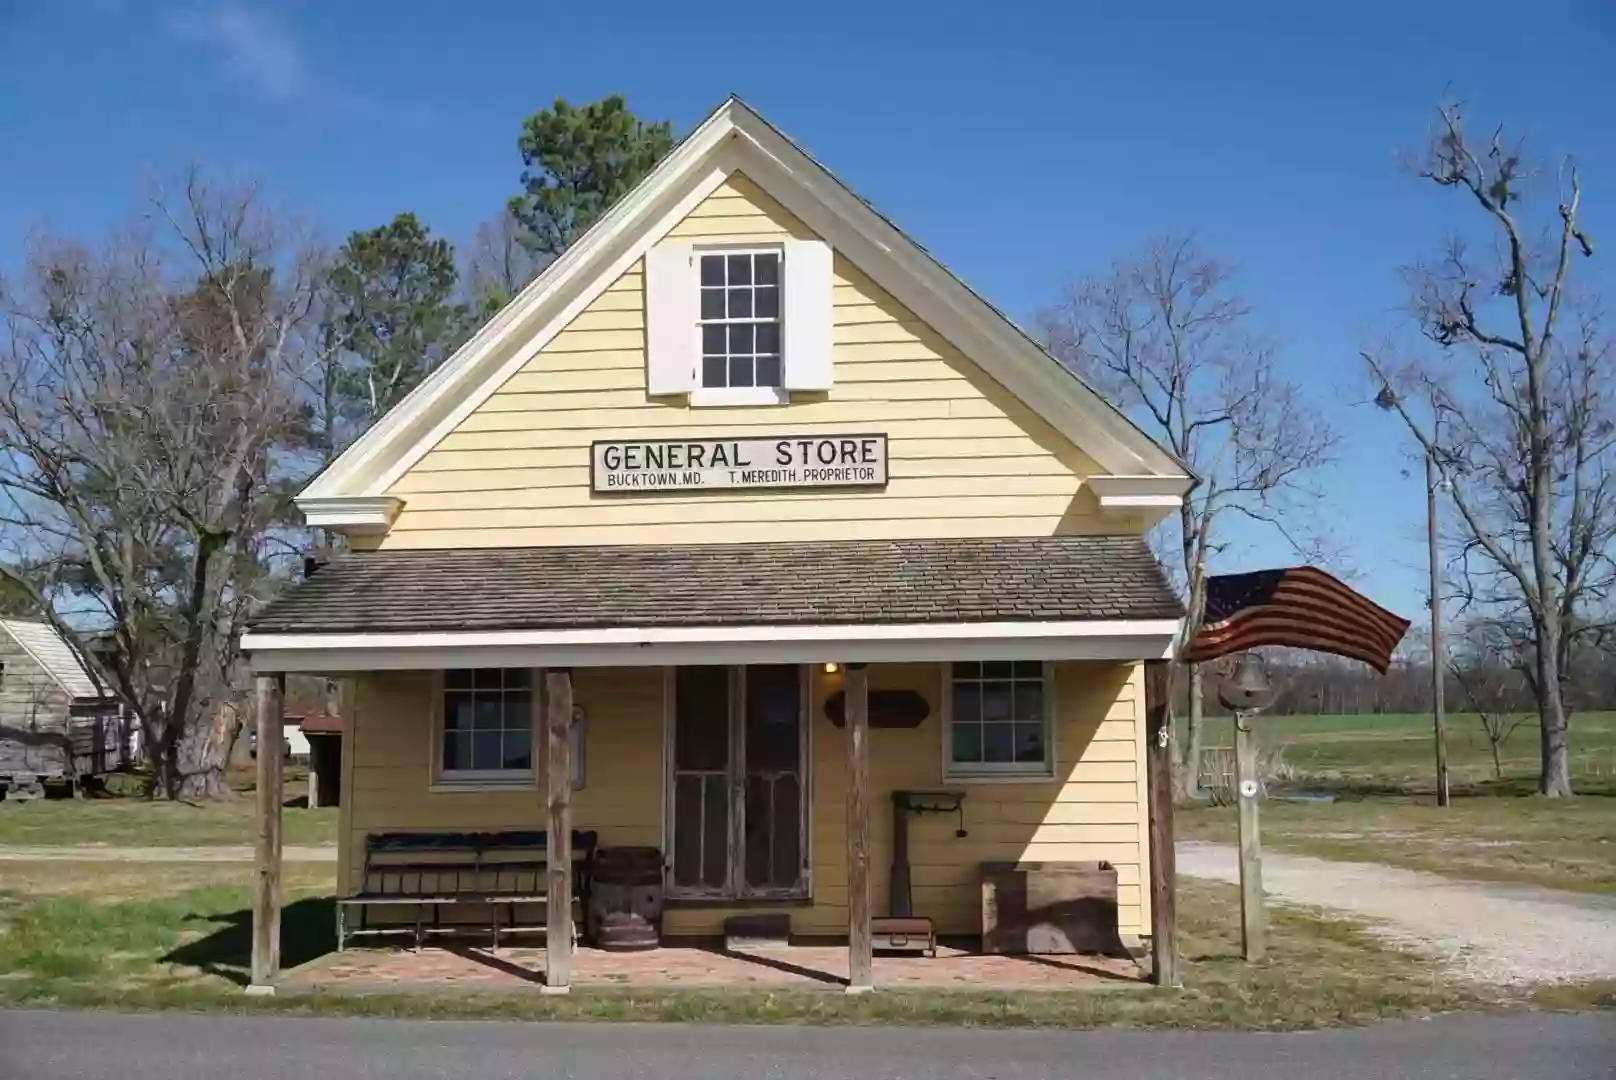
(1436, 636)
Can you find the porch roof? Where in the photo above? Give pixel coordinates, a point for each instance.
(1053, 578)
(1035, 598)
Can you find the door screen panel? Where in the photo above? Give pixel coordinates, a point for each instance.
(773, 759)
(701, 779)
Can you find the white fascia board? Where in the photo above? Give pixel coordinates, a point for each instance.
(356, 515)
(1139, 492)
(1111, 640)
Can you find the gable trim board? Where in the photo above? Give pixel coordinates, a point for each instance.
(54, 656)
(735, 139)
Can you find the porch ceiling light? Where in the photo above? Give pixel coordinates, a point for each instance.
(831, 669)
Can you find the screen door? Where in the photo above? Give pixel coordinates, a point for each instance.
(738, 813)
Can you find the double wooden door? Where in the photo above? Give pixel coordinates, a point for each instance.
(738, 784)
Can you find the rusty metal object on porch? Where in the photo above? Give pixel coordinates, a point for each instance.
(429, 872)
(901, 930)
(1050, 908)
(626, 903)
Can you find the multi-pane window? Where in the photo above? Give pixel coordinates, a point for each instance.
(740, 319)
(487, 721)
(998, 720)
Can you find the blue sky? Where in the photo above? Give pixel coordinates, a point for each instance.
(1023, 143)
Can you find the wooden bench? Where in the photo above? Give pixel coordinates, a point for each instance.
(434, 871)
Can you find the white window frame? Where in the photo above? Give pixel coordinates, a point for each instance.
(1007, 772)
(720, 396)
(530, 779)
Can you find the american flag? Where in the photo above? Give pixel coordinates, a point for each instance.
(1301, 607)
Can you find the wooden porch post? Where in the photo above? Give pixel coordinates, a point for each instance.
(266, 942)
(558, 768)
(859, 962)
(1163, 859)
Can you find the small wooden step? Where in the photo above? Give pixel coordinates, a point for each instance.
(743, 932)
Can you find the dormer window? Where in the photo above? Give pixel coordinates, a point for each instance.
(740, 319)
(738, 325)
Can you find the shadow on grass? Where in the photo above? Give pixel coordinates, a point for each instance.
(308, 932)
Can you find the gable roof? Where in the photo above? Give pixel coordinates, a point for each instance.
(734, 138)
(50, 652)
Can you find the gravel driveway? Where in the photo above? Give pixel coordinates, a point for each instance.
(1488, 932)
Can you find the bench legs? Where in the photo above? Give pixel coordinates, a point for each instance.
(346, 929)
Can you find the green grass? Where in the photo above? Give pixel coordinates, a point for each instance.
(136, 937)
(135, 822)
(1394, 752)
(1380, 770)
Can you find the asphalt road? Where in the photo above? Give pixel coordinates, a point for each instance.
(108, 1046)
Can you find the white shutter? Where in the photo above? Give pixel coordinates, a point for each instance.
(671, 311)
(807, 315)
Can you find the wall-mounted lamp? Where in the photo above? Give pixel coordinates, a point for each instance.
(831, 669)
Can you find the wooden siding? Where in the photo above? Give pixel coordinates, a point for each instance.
(39, 721)
(1093, 811)
(33, 707)
(966, 458)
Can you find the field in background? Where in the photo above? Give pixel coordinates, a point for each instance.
(129, 822)
(1394, 753)
(1379, 770)
(123, 818)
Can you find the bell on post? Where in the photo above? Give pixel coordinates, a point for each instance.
(1248, 689)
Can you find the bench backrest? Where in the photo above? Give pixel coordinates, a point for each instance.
(469, 863)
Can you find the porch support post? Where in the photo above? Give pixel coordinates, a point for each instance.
(266, 942)
(1163, 859)
(859, 960)
(558, 769)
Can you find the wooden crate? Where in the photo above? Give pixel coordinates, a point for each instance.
(1048, 908)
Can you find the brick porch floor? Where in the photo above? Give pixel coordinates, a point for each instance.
(797, 966)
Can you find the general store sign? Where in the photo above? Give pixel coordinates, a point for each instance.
(774, 461)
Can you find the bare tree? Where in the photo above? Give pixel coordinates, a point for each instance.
(498, 265)
(1167, 336)
(144, 389)
(1511, 397)
(1491, 689)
